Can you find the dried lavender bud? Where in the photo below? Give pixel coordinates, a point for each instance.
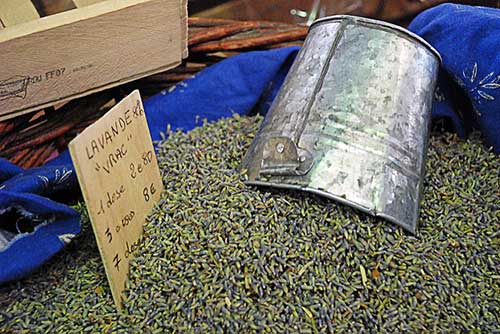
(220, 256)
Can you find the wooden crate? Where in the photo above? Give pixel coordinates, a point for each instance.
(53, 51)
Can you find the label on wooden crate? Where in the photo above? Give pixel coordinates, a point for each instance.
(119, 176)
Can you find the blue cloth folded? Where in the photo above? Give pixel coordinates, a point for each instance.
(34, 227)
(468, 39)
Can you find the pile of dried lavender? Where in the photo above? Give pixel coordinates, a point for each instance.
(223, 257)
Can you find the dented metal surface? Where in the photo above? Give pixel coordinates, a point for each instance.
(351, 121)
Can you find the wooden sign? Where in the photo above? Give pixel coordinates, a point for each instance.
(120, 180)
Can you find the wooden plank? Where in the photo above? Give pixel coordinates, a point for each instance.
(67, 18)
(14, 12)
(51, 7)
(83, 3)
(86, 50)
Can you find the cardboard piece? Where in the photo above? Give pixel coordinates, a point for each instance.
(119, 176)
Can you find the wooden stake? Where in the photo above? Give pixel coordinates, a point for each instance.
(14, 12)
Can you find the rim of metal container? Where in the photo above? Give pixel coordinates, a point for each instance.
(336, 198)
(382, 24)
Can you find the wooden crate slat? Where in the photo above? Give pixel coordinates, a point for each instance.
(184, 31)
(83, 3)
(14, 12)
(51, 7)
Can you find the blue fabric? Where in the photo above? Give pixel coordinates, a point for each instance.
(231, 87)
(468, 39)
(234, 86)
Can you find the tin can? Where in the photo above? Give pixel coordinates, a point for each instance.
(351, 122)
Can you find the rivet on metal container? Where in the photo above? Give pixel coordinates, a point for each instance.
(351, 121)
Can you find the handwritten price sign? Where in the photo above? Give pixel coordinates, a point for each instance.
(120, 180)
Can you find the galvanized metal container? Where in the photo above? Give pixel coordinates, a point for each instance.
(351, 121)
